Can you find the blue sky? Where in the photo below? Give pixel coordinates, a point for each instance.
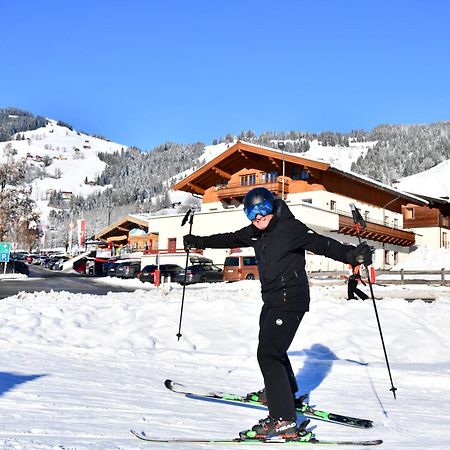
(143, 72)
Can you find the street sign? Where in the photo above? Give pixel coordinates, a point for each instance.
(5, 250)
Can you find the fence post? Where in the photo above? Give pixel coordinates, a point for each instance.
(402, 276)
(443, 275)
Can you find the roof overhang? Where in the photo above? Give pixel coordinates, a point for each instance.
(239, 156)
(397, 194)
(120, 229)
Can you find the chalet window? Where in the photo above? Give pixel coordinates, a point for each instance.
(386, 220)
(269, 177)
(300, 173)
(409, 213)
(333, 205)
(444, 240)
(395, 223)
(366, 215)
(307, 200)
(395, 257)
(172, 245)
(248, 180)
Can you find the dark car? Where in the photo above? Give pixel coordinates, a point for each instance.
(50, 262)
(201, 271)
(15, 266)
(107, 265)
(166, 270)
(128, 269)
(60, 263)
(112, 269)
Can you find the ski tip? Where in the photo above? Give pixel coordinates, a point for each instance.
(137, 433)
(168, 384)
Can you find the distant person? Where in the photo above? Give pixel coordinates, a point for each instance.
(280, 242)
(352, 285)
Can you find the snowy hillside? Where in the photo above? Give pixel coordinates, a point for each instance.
(73, 159)
(340, 157)
(79, 371)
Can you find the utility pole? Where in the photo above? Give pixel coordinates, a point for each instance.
(281, 146)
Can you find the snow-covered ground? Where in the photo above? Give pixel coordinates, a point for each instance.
(78, 371)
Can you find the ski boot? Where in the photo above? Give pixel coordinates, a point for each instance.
(259, 396)
(272, 429)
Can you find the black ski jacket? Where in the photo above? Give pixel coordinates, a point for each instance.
(280, 254)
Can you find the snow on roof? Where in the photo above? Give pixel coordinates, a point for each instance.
(355, 175)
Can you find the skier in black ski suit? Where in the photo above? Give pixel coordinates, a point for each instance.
(280, 242)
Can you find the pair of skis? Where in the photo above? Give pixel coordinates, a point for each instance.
(301, 407)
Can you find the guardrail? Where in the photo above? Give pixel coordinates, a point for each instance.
(441, 277)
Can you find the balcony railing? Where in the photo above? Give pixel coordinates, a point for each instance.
(376, 231)
(238, 190)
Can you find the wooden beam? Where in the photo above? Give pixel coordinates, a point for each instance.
(196, 188)
(275, 163)
(243, 154)
(221, 172)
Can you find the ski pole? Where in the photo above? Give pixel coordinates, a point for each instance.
(360, 223)
(188, 216)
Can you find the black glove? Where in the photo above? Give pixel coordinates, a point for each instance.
(191, 241)
(361, 254)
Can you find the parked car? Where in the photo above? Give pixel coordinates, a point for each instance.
(15, 266)
(106, 265)
(50, 262)
(31, 257)
(238, 267)
(128, 269)
(202, 270)
(113, 267)
(60, 262)
(166, 270)
(20, 256)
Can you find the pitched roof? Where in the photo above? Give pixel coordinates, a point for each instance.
(245, 155)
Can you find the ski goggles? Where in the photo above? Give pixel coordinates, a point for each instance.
(263, 208)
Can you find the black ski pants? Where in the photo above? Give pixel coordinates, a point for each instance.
(277, 329)
(352, 289)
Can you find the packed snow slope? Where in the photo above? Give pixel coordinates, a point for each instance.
(79, 371)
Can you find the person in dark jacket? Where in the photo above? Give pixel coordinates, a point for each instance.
(280, 241)
(352, 285)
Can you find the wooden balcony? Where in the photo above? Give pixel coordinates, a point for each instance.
(236, 191)
(424, 217)
(377, 232)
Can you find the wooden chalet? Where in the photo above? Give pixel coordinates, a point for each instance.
(122, 233)
(243, 166)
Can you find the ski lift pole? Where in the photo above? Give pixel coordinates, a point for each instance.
(189, 216)
(360, 223)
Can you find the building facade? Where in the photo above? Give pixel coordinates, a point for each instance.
(317, 193)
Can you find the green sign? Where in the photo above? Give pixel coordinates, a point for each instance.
(5, 250)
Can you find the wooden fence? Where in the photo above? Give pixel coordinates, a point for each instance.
(441, 277)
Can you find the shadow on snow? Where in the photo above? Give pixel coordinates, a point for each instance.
(318, 364)
(9, 381)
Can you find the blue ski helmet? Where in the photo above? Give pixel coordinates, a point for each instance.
(258, 201)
